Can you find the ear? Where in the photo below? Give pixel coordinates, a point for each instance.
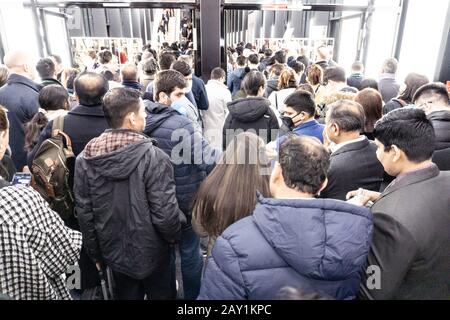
(323, 186)
(398, 153)
(276, 178)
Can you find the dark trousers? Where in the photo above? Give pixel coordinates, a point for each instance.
(157, 286)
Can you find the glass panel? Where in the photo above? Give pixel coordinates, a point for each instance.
(57, 37)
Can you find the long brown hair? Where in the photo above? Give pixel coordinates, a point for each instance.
(287, 79)
(229, 192)
(372, 103)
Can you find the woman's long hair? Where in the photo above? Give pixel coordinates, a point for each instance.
(229, 192)
(287, 80)
(413, 82)
(33, 130)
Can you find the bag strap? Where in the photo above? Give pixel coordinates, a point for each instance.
(400, 101)
(57, 129)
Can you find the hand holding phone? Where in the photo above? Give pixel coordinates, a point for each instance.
(21, 179)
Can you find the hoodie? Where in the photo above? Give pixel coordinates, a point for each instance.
(312, 244)
(125, 201)
(253, 113)
(441, 125)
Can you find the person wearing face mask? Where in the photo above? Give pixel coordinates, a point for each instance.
(162, 124)
(187, 104)
(353, 160)
(20, 97)
(131, 184)
(298, 116)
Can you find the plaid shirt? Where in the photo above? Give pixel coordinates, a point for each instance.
(35, 247)
(111, 140)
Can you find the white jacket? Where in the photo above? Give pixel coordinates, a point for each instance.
(214, 117)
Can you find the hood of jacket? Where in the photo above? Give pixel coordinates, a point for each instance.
(441, 116)
(249, 109)
(319, 238)
(273, 84)
(122, 162)
(157, 113)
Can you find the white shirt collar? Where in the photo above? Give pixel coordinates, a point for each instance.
(336, 147)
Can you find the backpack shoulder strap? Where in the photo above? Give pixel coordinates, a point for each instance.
(57, 129)
(400, 101)
(58, 125)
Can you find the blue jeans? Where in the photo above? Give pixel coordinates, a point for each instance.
(191, 262)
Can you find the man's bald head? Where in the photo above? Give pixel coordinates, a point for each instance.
(90, 88)
(129, 72)
(347, 115)
(20, 62)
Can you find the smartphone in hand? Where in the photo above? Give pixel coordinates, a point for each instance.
(21, 179)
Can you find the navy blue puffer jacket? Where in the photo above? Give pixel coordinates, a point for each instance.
(311, 244)
(191, 155)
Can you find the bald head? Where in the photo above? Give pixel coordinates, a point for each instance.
(347, 115)
(20, 62)
(90, 88)
(129, 72)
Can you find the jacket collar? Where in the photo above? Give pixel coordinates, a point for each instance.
(93, 111)
(352, 146)
(48, 81)
(17, 78)
(311, 123)
(411, 178)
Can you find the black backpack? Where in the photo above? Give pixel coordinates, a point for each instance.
(51, 173)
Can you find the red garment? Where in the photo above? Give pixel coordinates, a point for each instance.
(123, 57)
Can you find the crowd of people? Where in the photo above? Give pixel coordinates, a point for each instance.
(279, 177)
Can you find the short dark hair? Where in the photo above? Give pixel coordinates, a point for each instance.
(53, 97)
(301, 101)
(182, 67)
(90, 88)
(306, 87)
(119, 102)
(129, 72)
(368, 83)
(107, 74)
(268, 53)
(252, 82)
(241, 60)
(166, 81)
(304, 163)
(104, 56)
(280, 56)
(46, 68)
(298, 66)
(437, 89)
(348, 115)
(165, 60)
(410, 130)
(149, 66)
(336, 74)
(253, 58)
(217, 73)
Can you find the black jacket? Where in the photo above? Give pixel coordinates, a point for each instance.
(442, 159)
(441, 124)
(411, 239)
(161, 124)
(393, 104)
(200, 94)
(20, 96)
(127, 209)
(250, 114)
(353, 166)
(272, 85)
(355, 80)
(82, 124)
